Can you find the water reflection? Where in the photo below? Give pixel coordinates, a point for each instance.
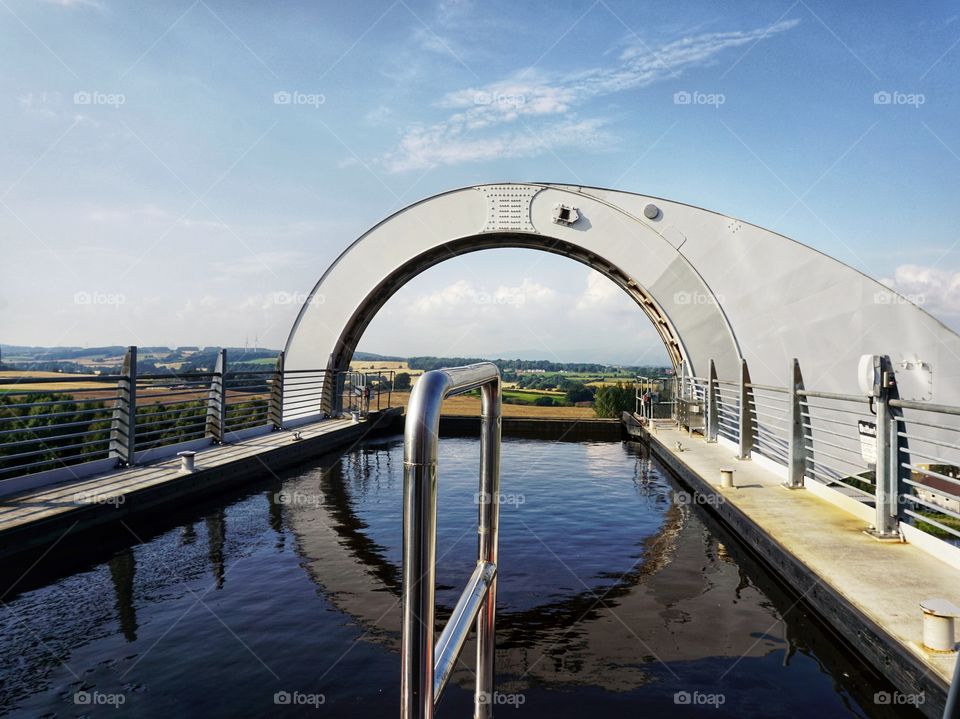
(122, 568)
(216, 536)
(608, 584)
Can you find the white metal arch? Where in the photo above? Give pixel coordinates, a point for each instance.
(714, 286)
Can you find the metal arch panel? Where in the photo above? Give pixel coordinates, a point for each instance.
(784, 299)
(716, 287)
(648, 267)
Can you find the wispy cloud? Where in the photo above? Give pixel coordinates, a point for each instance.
(260, 263)
(450, 144)
(532, 112)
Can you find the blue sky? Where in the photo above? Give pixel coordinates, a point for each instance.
(153, 191)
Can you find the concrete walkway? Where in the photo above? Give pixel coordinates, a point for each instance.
(37, 517)
(869, 590)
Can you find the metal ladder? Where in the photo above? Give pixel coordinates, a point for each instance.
(426, 667)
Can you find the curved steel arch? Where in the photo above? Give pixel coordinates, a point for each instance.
(715, 287)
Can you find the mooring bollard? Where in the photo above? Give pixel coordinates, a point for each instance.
(186, 461)
(938, 625)
(726, 479)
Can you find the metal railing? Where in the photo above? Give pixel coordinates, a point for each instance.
(51, 423)
(426, 667)
(647, 404)
(900, 459)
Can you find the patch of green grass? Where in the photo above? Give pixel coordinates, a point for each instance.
(943, 519)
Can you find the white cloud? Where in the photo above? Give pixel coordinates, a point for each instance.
(936, 290)
(449, 144)
(465, 300)
(476, 129)
(600, 294)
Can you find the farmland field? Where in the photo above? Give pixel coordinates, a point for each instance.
(466, 405)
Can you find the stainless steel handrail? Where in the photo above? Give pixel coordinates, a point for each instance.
(427, 667)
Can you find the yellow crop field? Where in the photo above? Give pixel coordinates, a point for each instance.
(388, 365)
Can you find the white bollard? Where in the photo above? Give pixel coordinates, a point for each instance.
(726, 479)
(186, 461)
(938, 625)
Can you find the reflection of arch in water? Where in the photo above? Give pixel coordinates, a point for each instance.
(578, 634)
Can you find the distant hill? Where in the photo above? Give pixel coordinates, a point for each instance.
(187, 358)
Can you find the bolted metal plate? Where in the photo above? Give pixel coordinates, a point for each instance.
(508, 207)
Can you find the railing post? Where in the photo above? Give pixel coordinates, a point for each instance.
(216, 401)
(489, 523)
(713, 411)
(797, 453)
(275, 411)
(123, 424)
(888, 457)
(746, 424)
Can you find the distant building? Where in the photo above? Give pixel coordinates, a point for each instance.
(941, 487)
